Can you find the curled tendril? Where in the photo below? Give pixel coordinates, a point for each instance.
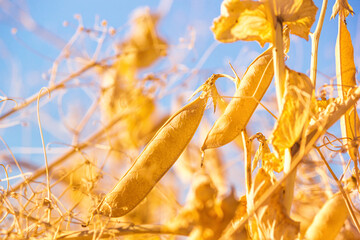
(326, 142)
(7, 178)
(3, 99)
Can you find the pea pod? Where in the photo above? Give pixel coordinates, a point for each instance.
(155, 160)
(249, 92)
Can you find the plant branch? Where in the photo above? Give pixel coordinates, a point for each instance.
(59, 85)
(121, 231)
(45, 155)
(315, 43)
(96, 136)
(342, 190)
(279, 72)
(290, 183)
(247, 160)
(279, 65)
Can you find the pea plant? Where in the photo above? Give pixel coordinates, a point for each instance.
(119, 182)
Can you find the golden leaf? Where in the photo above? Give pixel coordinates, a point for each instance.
(269, 161)
(144, 46)
(295, 112)
(299, 15)
(250, 20)
(341, 6)
(119, 93)
(242, 20)
(241, 212)
(205, 214)
(271, 218)
(345, 72)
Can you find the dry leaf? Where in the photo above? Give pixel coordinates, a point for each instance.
(242, 20)
(329, 220)
(240, 213)
(271, 218)
(269, 161)
(298, 15)
(205, 214)
(343, 7)
(254, 84)
(144, 46)
(249, 20)
(295, 112)
(119, 93)
(120, 85)
(345, 72)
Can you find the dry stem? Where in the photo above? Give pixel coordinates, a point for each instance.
(315, 43)
(121, 231)
(247, 157)
(342, 190)
(59, 85)
(95, 137)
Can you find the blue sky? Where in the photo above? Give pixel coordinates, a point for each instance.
(181, 15)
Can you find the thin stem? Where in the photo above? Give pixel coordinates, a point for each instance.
(7, 177)
(58, 86)
(62, 55)
(279, 65)
(279, 72)
(23, 175)
(122, 231)
(315, 43)
(96, 136)
(45, 155)
(289, 185)
(247, 158)
(342, 190)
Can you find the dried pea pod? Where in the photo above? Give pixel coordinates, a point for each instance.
(249, 92)
(329, 220)
(155, 160)
(345, 73)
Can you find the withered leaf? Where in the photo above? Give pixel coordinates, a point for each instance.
(272, 219)
(250, 20)
(205, 214)
(343, 6)
(295, 112)
(299, 15)
(242, 20)
(269, 161)
(144, 46)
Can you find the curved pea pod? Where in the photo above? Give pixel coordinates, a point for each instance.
(253, 85)
(156, 159)
(329, 220)
(345, 73)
